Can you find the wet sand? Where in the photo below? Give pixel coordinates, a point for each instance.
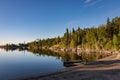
(103, 69)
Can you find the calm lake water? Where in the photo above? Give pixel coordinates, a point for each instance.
(17, 64)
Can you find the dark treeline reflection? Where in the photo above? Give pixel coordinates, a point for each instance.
(67, 56)
(64, 56)
(13, 49)
(59, 55)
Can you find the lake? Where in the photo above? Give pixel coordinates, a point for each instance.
(14, 64)
(18, 63)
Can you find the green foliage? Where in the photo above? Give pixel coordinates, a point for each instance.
(66, 38)
(103, 37)
(108, 46)
(115, 41)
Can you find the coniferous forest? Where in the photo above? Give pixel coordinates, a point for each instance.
(103, 37)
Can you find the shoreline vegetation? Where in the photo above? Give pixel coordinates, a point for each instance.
(103, 39)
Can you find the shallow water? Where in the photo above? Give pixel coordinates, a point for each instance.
(15, 64)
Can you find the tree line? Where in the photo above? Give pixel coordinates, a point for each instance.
(103, 37)
(20, 46)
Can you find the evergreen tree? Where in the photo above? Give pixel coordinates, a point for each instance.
(105, 36)
(66, 38)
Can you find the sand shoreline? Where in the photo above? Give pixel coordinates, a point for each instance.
(103, 69)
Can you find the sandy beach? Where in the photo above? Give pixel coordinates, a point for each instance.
(103, 69)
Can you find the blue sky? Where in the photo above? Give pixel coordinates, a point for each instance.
(27, 20)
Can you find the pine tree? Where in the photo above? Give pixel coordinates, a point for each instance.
(66, 38)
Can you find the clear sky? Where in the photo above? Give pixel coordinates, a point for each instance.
(27, 20)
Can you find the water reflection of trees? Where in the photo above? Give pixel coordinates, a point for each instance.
(59, 55)
(64, 56)
(13, 49)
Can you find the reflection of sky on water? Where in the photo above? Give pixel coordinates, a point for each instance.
(19, 64)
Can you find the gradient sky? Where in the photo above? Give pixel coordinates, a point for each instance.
(28, 20)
